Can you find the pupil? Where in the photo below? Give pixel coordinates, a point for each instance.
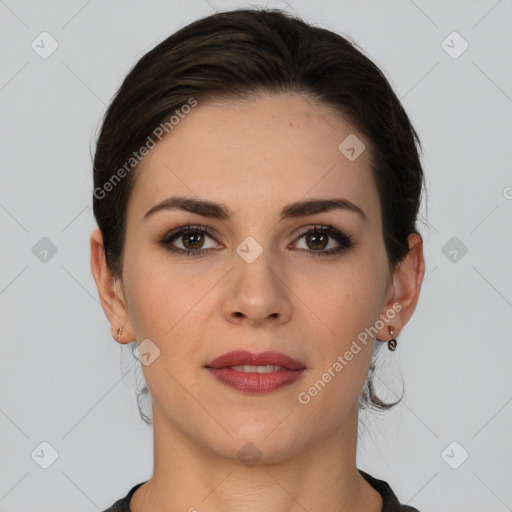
(193, 239)
(316, 236)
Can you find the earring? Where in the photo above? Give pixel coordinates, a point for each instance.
(392, 343)
(119, 331)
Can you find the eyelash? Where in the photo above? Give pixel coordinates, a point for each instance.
(345, 241)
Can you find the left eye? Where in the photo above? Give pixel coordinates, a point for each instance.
(317, 239)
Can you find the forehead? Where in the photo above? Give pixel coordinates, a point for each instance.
(256, 155)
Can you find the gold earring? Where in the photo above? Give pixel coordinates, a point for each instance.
(119, 331)
(392, 343)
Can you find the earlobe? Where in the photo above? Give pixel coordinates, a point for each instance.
(407, 279)
(108, 291)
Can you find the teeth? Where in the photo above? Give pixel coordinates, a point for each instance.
(246, 368)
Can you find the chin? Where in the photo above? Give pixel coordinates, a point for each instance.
(259, 440)
(259, 451)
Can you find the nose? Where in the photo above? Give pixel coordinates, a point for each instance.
(257, 292)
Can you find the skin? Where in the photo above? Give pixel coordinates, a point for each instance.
(255, 156)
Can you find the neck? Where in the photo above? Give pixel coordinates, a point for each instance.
(190, 477)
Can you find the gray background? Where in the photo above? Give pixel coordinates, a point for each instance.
(60, 370)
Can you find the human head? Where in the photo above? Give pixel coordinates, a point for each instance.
(236, 56)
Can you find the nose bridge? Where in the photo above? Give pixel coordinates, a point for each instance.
(257, 288)
(253, 262)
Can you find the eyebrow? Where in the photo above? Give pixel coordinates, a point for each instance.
(220, 211)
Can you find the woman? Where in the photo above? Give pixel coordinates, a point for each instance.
(257, 185)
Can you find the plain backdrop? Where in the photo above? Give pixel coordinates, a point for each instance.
(63, 401)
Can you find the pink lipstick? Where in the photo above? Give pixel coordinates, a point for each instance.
(255, 373)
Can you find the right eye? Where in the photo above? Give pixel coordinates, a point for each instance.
(192, 239)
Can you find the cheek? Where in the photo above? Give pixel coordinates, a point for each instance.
(162, 310)
(346, 300)
(151, 310)
(168, 307)
(159, 297)
(348, 305)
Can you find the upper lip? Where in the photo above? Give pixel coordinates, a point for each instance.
(243, 357)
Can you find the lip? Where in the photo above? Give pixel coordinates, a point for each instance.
(243, 357)
(290, 371)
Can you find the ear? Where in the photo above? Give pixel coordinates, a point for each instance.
(110, 291)
(405, 290)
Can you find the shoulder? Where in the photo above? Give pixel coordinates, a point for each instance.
(123, 504)
(390, 502)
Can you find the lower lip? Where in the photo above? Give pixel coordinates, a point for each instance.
(256, 382)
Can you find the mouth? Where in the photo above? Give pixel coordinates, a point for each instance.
(255, 373)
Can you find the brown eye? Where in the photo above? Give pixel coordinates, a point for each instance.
(316, 240)
(319, 238)
(191, 238)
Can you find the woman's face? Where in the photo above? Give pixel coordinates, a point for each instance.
(260, 280)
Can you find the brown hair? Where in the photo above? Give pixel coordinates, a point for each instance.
(240, 53)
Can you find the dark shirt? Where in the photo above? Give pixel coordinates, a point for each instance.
(390, 502)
